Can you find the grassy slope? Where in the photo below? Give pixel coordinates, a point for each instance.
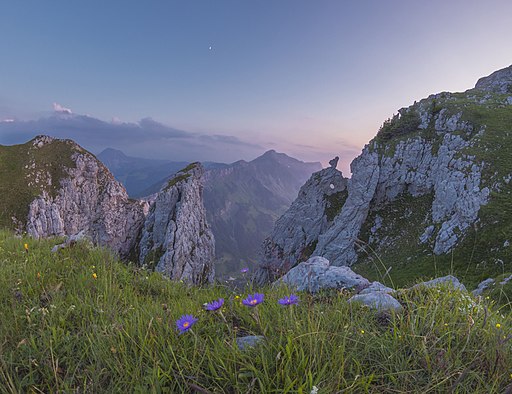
(14, 177)
(63, 330)
(482, 253)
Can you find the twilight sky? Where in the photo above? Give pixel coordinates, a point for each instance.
(313, 79)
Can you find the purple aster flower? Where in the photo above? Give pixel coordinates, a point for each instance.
(292, 299)
(185, 322)
(214, 305)
(244, 270)
(253, 300)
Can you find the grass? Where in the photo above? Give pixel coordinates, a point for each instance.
(20, 166)
(64, 330)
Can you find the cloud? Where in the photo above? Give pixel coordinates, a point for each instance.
(60, 109)
(145, 138)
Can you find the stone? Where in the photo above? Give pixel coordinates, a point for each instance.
(379, 300)
(317, 274)
(176, 238)
(71, 240)
(443, 281)
(482, 286)
(250, 341)
(377, 287)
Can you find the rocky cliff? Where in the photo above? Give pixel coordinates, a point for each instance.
(296, 233)
(54, 187)
(75, 192)
(432, 186)
(176, 239)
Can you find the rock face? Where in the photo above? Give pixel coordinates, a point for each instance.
(87, 199)
(499, 81)
(68, 192)
(296, 233)
(417, 187)
(176, 238)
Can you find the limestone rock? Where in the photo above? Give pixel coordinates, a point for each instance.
(482, 286)
(317, 274)
(377, 287)
(86, 198)
(499, 81)
(296, 233)
(445, 280)
(176, 237)
(249, 341)
(379, 300)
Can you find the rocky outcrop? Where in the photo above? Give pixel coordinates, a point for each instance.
(296, 233)
(176, 239)
(77, 197)
(86, 198)
(499, 81)
(424, 179)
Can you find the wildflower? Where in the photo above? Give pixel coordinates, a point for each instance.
(498, 325)
(314, 390)
(362, 331)
(26, 247)
(185, 322)
(244, 270)
(292, 299)
(446, 324)
(38, 275)
(94, 275)
(253, 300)
(214, 305)
(237, 297)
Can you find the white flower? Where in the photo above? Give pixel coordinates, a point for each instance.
(314, 390)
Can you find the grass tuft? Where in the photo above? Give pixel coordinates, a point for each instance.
(81, 321)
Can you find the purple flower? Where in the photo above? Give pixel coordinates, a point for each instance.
(185, 322)
(253, 300)
(244, 270)
(214, 305)
(292, 299)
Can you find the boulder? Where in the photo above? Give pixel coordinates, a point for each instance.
(317, 274)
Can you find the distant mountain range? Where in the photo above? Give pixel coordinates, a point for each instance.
(135, 173)
(243, 199)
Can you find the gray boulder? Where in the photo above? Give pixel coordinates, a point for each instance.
(316, 274)
(377, 287)
(250, 341)
(379, 300)
(484, 285)
(445, 280)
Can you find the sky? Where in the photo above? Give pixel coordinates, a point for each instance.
(226, 80)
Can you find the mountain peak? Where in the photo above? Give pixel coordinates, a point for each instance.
(111, 153)
(498, 82)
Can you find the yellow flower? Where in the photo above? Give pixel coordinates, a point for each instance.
(26, 247)
(446, 324)
(498, 325)
(237, 297)
(362, 331)
(94, 275)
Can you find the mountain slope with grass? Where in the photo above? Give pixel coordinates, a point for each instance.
(431, 193)
(81, 321)
(54, 187)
